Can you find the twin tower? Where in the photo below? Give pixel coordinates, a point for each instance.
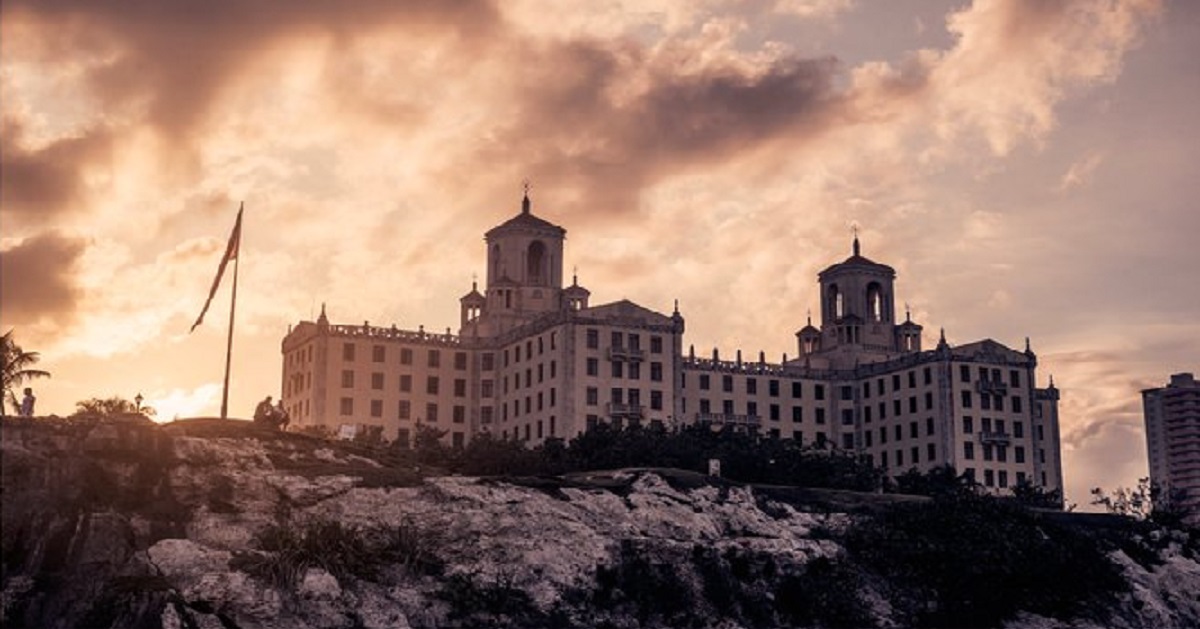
(525, 281)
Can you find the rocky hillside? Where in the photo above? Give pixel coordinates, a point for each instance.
(210, 524)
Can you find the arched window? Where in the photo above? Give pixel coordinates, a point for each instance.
(535, 260)
(836, 306)
(875, 306)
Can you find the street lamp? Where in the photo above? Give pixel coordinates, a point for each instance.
(137, 400)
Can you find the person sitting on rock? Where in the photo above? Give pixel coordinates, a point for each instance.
(280, 416)
(263, 412)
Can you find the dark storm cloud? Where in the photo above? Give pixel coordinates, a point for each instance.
(40, 183)
(609, 121)
(176, 56)
(36, 279)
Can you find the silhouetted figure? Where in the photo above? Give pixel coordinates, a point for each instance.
(281, 417)
(264, 412)
(27, 403)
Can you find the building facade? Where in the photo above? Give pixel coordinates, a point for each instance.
(1172, 415)
(534, 360)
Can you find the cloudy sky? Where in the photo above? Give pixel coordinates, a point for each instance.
(1028, 167)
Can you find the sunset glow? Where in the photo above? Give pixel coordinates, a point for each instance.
(1028, 168)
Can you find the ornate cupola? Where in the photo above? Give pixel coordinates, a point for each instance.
(809, 338)
(472, 304)
(857, 302)
(575, 297)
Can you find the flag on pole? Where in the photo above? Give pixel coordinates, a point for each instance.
(231, 253)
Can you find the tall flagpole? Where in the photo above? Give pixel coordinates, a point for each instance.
(229, 342)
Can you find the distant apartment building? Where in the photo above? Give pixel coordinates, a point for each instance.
(533, 359)
(1172, 415)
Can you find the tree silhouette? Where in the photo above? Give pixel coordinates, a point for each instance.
(109, 407)
(16, 368)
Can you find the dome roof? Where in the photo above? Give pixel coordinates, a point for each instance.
(857, 260)
(526, 221)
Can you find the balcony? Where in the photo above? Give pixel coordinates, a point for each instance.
(996, 438)
(729, 418)
(991, 387)
(632, 411)
(629, 354)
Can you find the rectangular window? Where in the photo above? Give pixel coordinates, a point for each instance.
(656, 400)
(1016, 404)
(912, 379)
(898, 430)
(635, 371)
(752, 409)
(797, 414)
(405, 409)
(1002, 453)
(987, 452)
(968, 424)
(435, 358)
(867, 414)
(797, 390)
(1014, 378)
(431, 385)
(405, 383)
(460, 361)
(916, 455)
(656, 345)
(913, 433)
(928, 401)
(460, 387)
(964, 373)
(847, 392)
(969, 451)
(347, 351)
(347, 378)
(1003, 478)
(819, 392)
(820, 415)
(593, 339)
(727, 384)
(883, 459)
(773, 388)
(705, 407)
(458, 439)
(882, 435)
(431, 412)
(376, 408)
(896, 408)
(966, 399)
(847, 442)
(751, 386)
(487, 388)
(616, 339)
(847, 417)
(912, 403)
(377, 353)
(460, 415)
(895, 382)
(931, 452)
(593, 396)
(618, 369)
(866, 391)
(1018, 429)
(867, 438)
(377, 381)
(928, 374)
(704, 382)
(346, 407)
(406, 356)
(488, 361)
(989, 478)
(928, 425)
(593, 367)
(899, 458)
(774, 412)
(985, 402)
(656, 372)
(1019, 454)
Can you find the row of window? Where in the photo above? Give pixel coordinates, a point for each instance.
(620, 340)
(433, 357)
(529, 346)
(529, 375)
(458, 413)
(994, 478)
(914, 456)
(533, 430)
(630, 397)
(999, 426)
(620, 369)
(530, 407)
(991, 375)
(432, 383)
(704, 381)
(992, 402)
(994, 452)
(926, 379)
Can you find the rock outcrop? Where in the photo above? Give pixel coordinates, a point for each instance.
(210, 524)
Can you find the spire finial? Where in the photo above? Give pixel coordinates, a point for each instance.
(1027, 348)
(525, 201)
(575, 275)
(854, 229)
(810, 316)
(676, 306)
(1051, 381)
(907, 313)
(474, 281)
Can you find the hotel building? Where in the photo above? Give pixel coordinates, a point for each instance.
(1172, 415)
(533, 360)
